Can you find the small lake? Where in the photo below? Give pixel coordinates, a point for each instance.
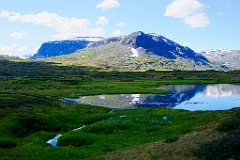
(187, 97)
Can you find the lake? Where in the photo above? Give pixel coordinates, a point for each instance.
(187, 97)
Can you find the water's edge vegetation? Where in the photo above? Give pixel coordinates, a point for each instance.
(31, 113)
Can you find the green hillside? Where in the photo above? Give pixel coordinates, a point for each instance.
(115, 56)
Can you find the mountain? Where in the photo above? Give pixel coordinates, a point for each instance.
(58, 48)
(161, 46)
(229, 59)
(137, 51)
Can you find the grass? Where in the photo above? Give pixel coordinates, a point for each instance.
(226, 147)
(177, 149)
(76, 139)
(105, 135)
(31, 113)
(230, 124)
(204, 143)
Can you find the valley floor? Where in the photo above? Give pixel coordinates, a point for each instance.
(31, 114)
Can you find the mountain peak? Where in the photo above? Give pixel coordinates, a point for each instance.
(161, 46)
(138, 33)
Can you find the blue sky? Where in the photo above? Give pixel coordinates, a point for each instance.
(199, 24)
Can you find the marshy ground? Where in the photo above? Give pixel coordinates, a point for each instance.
(31, 114)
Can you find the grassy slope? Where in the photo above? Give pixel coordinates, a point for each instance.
(214, 141)
(179, 149)
(115, 56)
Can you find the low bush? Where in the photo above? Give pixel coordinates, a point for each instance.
(7, 140)
(153, 128)
(34, 123)
(230, 124)
(221, 149)
(7, 143)
(171, 139)
(76, 139)
(108, 127)
(95, 118)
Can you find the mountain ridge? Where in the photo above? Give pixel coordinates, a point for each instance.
(136, 51)
(64, 47)
(224, 58)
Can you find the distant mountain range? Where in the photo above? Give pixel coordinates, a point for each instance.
(137, 51)
(224, 58)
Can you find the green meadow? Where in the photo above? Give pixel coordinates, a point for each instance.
(31, 114)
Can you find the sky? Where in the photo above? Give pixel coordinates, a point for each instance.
(199, 24)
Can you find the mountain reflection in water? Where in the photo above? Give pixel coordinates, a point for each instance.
(188, 97)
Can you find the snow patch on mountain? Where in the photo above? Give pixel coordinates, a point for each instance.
(226, 64)
(220, 51)
(179, 50)
(92, 39)
(155, 38)
(166, 41)
(154, 34)
(135, 53)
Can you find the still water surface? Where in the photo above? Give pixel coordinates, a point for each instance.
(187, 97)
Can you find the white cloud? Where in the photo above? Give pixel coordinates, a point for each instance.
(122, 24)
(102, 21)
(188, 10)
(116, 33)
(183, 8)
(107, 4)
(18, 35)
(197, 20)
(17, 51)
(66, 27)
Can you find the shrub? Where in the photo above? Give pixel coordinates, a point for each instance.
(221, 149)
(151, 129)
(7, 140)
(95, 118)
(171, 140)
(230, 124)
(35, 123)
(76, 139)
(17, 130)
(7, 143)
(109, 127)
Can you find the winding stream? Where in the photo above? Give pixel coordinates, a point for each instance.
(53, 142)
